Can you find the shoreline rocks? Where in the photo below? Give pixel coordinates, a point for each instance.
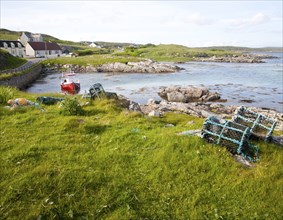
(147, 66)
(188, 94)
(245, 58)
(204, 110)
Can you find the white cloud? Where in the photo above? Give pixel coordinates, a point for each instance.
(257, 19)
(180, 22)
(197, 19)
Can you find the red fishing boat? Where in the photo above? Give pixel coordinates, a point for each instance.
(69, 83)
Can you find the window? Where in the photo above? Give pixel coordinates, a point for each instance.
(5, 45)
(12, 45)
(19, 45)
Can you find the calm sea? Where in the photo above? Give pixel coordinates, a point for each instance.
(257, 85)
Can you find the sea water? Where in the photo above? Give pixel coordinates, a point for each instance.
(250, 84)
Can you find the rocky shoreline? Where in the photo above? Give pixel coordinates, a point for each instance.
(244, 58)
(201, 110)
(194, 105)
(147, 66)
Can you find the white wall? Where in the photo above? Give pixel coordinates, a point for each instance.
(17, 52)
(30, 52)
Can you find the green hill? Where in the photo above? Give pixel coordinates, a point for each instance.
(6, 34)
(160, 51)
(172, 52)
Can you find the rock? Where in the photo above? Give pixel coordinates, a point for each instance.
(134, 107)
(90, 69)
(176, 97)
(196, 132)
(245, 58)
(188, 94)
(203, 110)
(154, 113)
(150, 102)
(247, 100)
(242, 160)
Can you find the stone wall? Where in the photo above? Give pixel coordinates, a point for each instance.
(22, 81)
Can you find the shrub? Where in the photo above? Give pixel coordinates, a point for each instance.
(6, 93)
(71, 106)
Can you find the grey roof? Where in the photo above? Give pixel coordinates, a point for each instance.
(9, 42)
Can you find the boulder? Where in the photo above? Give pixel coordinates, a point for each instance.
(176, 97)
(188, 94)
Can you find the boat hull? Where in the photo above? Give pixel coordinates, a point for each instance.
(71, 88)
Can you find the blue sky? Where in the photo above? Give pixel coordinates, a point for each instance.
(190, 23)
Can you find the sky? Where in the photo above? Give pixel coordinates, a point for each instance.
(190, 23)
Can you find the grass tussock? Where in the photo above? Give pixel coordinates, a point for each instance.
(113, 164)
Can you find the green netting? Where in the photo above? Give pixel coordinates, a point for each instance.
(95, 91)
(260, 125)
(234, 136)
(48, 100)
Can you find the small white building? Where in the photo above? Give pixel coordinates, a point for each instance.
(94, 45)
(16, 48)
(43, 49)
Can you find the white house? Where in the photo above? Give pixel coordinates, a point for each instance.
(43, 49)
(16, 48)
(94, 45)
(30, 37)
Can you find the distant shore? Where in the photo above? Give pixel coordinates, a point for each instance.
(148, 65)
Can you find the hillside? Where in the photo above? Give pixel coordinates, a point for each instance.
(172, 52)
(73, 46)
(7, 61)
(109, 163)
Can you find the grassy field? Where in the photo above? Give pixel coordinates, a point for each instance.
(173, 52)
(158, 53)
(93, 60)
(108, 163)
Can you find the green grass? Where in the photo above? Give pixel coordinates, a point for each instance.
(113, 164)
(94, 60)
(172, 52)
(7, 61)
(130, 54)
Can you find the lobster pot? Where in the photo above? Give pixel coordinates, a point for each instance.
(260, 125)
(96, 90)
(234, 136)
